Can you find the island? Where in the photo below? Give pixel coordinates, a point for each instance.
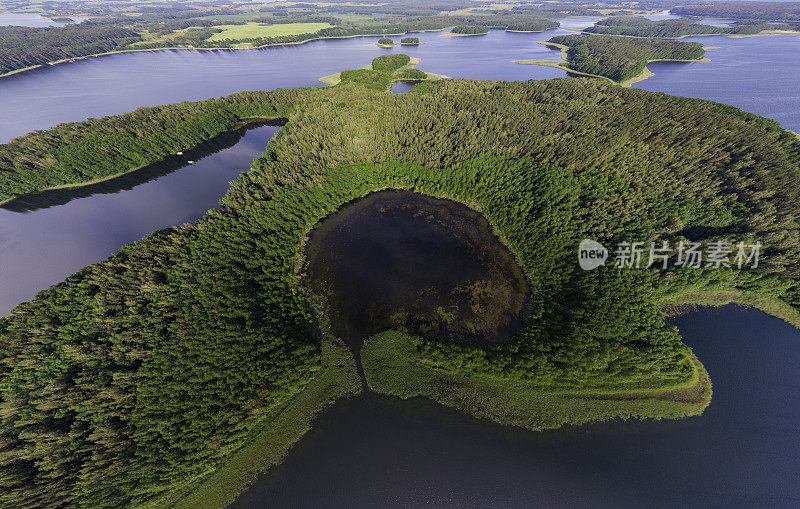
(382, 72)
(622, 60)
(639, 26)
(173, 372)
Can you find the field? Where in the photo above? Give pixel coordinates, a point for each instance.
(254, 30)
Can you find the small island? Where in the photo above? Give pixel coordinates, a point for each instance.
(622, 60)
(386, 42)
(382, 72)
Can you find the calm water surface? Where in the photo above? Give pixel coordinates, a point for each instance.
(25, 19)
(744, 451)
(39, 248)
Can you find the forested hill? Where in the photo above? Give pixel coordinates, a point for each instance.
(621, 58)
(137, 376)
(22, 47)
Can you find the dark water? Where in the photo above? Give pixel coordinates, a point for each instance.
(744, 451)
(402, 259)
(39, 248)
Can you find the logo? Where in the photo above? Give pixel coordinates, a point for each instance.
(591, 254)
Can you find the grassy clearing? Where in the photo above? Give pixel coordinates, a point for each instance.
(392, 367)
(279, 432)
(255, 30)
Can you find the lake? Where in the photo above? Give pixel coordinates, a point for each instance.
(465, 284)
(32, 19)
(743, 451)
(38, 248)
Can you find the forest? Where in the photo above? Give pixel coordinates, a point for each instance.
(137, 376)
(470, 30)
(95, 148)
(639, 26)
(621, 58)
(22, 47)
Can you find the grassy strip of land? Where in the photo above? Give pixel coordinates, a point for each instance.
(280, 430)
(720, 296)
(392, 367)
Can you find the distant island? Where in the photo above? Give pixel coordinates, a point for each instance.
(639, 26)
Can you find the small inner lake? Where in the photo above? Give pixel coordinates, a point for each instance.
(399, 259)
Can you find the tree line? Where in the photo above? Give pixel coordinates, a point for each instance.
(22, 47)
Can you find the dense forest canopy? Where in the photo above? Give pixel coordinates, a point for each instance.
(620, 58)
(470, 29)
(138, 375)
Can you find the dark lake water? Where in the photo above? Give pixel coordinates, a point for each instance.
(743, 452)
(402, 259)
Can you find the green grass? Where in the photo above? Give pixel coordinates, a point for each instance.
(280, 430)
(392, 367)
(255, 30)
